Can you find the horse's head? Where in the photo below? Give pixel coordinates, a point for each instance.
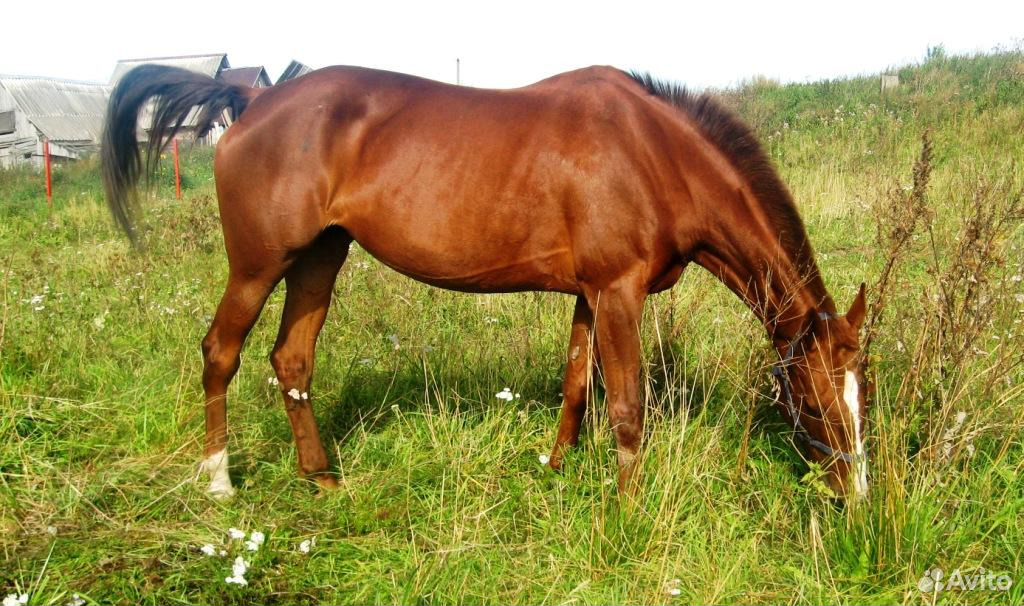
(822, 389)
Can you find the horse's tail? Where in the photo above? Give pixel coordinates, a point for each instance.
(176, 92)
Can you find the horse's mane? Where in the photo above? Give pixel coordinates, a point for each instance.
(738, 142)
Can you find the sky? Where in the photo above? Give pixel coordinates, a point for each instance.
(509, 43)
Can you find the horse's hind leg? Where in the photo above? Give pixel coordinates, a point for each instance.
(310, 282)
(576, 386)
(238, 310)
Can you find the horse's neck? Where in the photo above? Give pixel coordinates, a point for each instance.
(781, 286)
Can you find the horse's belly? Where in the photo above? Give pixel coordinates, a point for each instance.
(463, 266)
(475, 238)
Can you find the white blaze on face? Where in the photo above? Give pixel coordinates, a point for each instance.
(851, 396)
(220, 482)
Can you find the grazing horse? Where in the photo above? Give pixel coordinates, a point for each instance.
(596, 183)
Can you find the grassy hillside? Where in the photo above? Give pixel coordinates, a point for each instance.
(443, 498)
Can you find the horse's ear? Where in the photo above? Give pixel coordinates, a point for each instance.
(858, 310)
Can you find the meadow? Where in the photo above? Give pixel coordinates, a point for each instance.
(443, 498)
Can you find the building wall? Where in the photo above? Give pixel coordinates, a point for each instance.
(24, 141)
(25, 144)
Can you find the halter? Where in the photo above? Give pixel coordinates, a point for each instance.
(779, 370)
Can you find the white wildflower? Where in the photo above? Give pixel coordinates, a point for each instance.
(518, 396)
(238, 570)
(16, 600)
(39, 307)
(255, 540)
(505, 394)
(209, 550)
(51, 530)
(36, 300)
(307, 545)
(273, 381)
(293, 393)
(544, 459)
(305, 396)
(236, 534)
(76, 600)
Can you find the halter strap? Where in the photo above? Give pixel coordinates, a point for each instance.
(779, 370)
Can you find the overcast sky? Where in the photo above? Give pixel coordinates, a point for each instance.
(509, 43)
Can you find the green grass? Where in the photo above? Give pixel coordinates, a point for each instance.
(443, 499)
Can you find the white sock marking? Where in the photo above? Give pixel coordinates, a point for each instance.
(220, 482)
(851, 396)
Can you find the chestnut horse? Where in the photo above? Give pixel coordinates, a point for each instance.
(595, 183)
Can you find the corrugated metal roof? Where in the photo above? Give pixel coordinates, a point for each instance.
(294, 70)
(245, 76)
(209, 65)
(63, 110)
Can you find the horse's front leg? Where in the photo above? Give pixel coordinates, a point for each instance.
(618, 311)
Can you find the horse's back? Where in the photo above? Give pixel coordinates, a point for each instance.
(472, 189)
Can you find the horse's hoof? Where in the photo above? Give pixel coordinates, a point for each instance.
(554, 461)
(327, 483)
(220, 493)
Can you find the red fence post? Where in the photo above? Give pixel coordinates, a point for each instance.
(49, 172)
(177, 171)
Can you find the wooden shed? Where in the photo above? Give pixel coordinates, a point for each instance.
(214, 65)
(67, 113)
(209, 65)
(254, 77)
